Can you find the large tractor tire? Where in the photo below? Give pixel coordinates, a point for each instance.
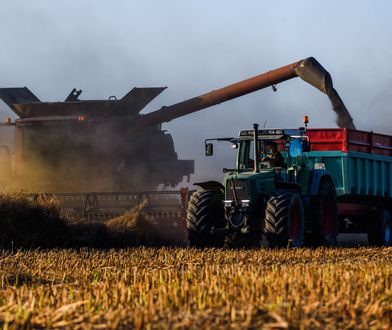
(205, 210)
(324, 215)
(380, 230)
(284, 220)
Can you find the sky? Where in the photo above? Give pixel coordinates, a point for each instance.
(107, 47)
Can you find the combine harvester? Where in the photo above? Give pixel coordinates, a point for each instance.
(101, 157)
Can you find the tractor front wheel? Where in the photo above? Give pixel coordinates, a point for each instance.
(284, 220)
(205, 210)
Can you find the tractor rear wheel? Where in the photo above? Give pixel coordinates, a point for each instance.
(205, 210)
(284, 220)
(324, 215)
(379, 231)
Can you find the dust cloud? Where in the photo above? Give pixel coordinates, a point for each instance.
(91, 145)
(106, 156)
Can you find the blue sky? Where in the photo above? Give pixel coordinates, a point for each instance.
(107, 47)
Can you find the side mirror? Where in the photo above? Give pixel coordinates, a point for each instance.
(209, 149)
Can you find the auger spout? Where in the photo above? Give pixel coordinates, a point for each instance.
(308, 70)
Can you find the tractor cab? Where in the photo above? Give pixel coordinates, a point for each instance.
(275, 148)
(281, 151)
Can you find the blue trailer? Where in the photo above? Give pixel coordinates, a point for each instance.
(360, 164)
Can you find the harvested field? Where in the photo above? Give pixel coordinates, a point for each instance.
(343, 288)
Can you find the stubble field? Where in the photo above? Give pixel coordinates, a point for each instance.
(160, 288)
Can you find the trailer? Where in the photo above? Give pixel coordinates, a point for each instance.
(360, 164)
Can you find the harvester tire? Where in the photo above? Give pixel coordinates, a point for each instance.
(284, 220)
(205, 210)
(324, 215)
(380, 230)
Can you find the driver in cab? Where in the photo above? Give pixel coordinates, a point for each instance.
(273, 156)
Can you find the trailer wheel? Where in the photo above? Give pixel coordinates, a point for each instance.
(205, 210)
(284, 220)
(379, 231)
(324, 215)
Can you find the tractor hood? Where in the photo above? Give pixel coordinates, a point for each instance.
(247, 184)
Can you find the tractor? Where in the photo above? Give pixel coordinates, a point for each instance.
(289, 202)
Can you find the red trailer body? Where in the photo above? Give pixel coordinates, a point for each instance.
(344, 139)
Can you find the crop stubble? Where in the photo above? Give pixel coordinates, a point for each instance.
(187, 288)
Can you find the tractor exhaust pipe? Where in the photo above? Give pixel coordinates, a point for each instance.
(256, 148)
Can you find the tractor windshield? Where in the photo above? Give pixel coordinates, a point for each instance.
(269, 153)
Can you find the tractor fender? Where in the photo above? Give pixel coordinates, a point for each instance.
(316, 177)
(211, 185)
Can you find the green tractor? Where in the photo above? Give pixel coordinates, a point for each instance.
(269, 193)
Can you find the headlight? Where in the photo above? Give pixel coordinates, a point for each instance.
(245, 202)
(228, 203)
